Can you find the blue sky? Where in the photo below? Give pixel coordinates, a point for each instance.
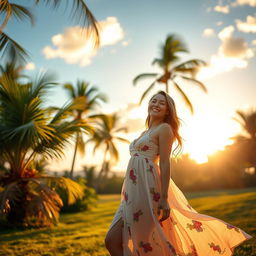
(220, 32)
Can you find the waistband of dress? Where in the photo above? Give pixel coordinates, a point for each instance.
(138, 154)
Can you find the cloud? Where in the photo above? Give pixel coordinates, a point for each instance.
(30, 66)
(232, 53)
(223, 9)
(247, 26)
(226, 33)
(208, 32)
(74, 47)
(254, 42)
(219, 23)
(233, 47)
(244, 2)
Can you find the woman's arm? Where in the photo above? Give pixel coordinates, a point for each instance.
(165, 146)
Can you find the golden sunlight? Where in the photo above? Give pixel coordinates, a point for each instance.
(204, 137)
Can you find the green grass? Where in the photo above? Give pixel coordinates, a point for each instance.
(83, 233)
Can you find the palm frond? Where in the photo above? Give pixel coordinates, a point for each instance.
(172, 45)
(18, 11)
(187, 101)
(113, 151)
(158, 61)
(146, 92)
(201, 85)
(41, 84)
(59, 184)
(44, 203)
(191, 66)
(81, 13)
(12, 70)
(70, 89)
(11, 50)
(125, 129)
(122, 139)
(143, 76)
(11, 195)
(81, 144)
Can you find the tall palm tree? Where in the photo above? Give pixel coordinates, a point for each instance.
(247, 120)
(104, 137)
(80, 12)
(87, 98)
(28, 133)
(170, 70)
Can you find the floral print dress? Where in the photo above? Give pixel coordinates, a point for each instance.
(185, 233)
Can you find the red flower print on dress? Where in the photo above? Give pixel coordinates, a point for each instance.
(145, 148)
(171, 247)
(150, 169)
(133, 177)
(216, 247)
(146, 159)
(136, 154)
(137, 214)
(156, 195)
(196, 225)
(229, 226)
(146, 247)
(194, 252)
(189, 206)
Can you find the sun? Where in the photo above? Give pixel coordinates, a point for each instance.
(205, 136)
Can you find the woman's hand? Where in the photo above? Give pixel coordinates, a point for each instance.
(164, 206)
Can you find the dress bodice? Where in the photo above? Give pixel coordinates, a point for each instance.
(145, 146)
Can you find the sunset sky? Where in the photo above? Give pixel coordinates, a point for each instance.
(220, 32)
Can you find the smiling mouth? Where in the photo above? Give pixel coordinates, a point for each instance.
(156, 109)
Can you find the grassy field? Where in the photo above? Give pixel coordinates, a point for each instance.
(83, 233)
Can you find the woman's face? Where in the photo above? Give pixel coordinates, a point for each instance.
(157, 107)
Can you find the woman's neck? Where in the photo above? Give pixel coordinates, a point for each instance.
(154, 123)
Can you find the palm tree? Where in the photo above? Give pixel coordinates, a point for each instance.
(104, 137)
(80, 12)
(86, 99)
(28, 134)
(167, 63)
(247, 120)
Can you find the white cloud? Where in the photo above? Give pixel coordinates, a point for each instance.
(30, 66)
(219, 23)
(232, 53)
(74, 47)
(244, 2)
(223, 9)
(208, 32)
(247, 26)
(226, 32)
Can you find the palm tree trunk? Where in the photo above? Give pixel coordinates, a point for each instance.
(166, 87)
(74, 157)
(101, 171)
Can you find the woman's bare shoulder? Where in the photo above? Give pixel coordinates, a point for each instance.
(165, 127)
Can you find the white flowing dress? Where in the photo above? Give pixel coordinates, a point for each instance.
(185, 233)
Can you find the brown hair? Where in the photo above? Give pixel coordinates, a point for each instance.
(171, 118)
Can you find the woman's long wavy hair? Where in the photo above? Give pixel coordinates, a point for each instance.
(171, 118)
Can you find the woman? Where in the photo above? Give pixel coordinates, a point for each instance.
(154, 218)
